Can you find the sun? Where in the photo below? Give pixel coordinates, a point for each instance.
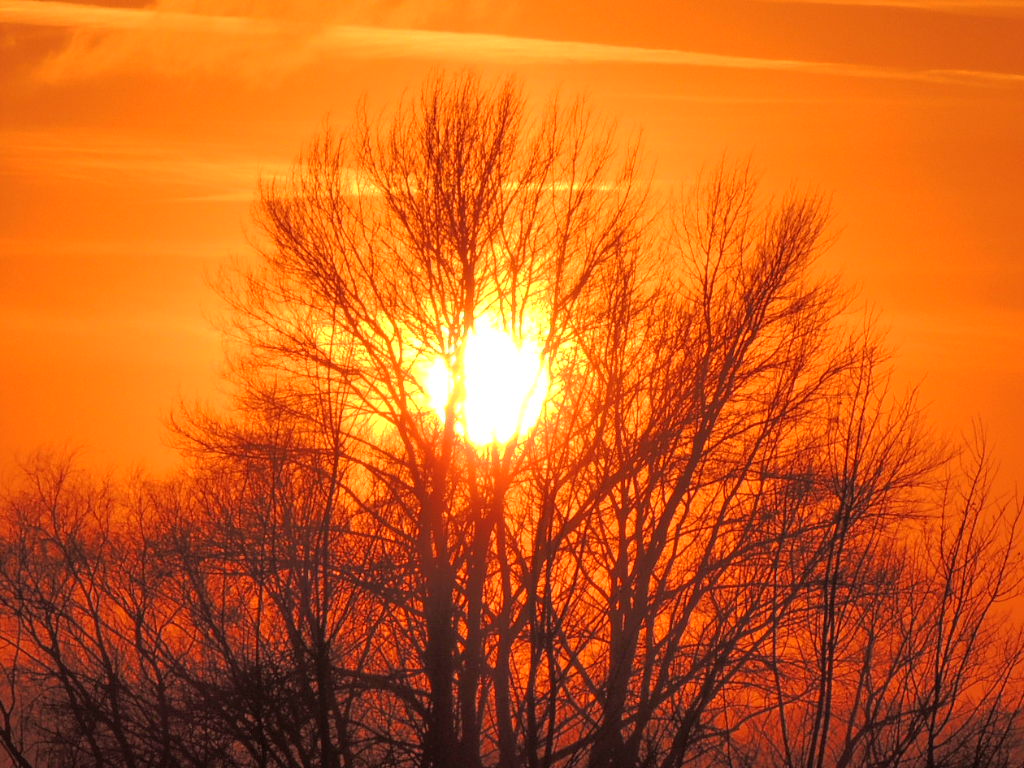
(505, 386)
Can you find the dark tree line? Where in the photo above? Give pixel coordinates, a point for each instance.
(726, 542)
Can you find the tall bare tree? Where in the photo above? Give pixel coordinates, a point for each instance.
(718, 545)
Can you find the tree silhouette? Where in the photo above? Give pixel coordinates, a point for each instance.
(720, 544)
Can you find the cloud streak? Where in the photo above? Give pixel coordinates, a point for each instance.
(119, 162)
(122, 37)
(111, 19)
(973, 7)
(373, 42)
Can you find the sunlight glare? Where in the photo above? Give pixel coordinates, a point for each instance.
(506, 384)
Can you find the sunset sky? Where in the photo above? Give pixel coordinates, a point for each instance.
(132, 137)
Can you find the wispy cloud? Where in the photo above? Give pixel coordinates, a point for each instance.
(946, 6)
(111, 18)
(379, 42)
(118, 161)
(122, 37)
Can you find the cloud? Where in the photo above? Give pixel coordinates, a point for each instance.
(161, 39)
(266, 45)
(973, 7)
(372, 42)
(117, 161)
(112, 19)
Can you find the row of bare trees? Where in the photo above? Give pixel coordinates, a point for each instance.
(726, 542)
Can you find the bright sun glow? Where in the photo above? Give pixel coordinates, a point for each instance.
(506, 384)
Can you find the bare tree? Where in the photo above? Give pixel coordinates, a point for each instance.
(718, 545)
(89, 628)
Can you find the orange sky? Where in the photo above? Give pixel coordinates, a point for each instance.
(131, 140)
